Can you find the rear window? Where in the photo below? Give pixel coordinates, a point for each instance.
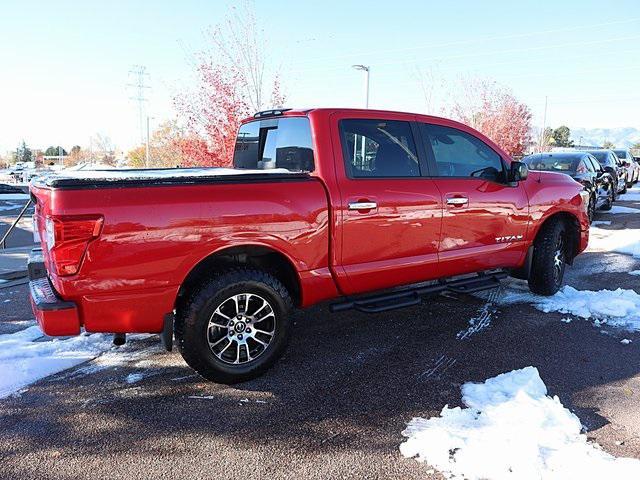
(553, 164)
(275, 143)
(621, 154)
(602, 157)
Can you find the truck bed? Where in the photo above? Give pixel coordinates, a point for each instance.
(119, 178)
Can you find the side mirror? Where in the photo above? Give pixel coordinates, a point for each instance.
(518, 171)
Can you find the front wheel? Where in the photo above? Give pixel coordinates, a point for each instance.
(235, 326)
(592, 208)
(549, 258)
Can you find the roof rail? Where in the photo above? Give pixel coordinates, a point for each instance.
(271, 113)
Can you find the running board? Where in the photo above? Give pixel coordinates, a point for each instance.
(413, 296)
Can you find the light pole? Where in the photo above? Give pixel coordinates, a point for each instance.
(366, 69)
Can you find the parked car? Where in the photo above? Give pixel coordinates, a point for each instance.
(633, 168)
(583, 168)
(612, 164)
(367, 209)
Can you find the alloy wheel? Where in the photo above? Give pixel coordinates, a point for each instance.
(241, 328)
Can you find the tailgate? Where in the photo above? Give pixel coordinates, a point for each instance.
(41, 197)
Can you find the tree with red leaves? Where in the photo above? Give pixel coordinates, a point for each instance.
(494, 111)
(233, 76)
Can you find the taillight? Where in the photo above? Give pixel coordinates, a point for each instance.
(67, 238)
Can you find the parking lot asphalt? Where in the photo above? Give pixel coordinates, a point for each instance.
(335, 405)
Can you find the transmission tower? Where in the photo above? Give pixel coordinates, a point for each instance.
(137, 76)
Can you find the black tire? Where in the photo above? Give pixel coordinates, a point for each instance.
(592, 208)
(195, 335)
(609, 203)
(624, 190)
(549, 247)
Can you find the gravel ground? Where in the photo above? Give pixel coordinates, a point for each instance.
(334, 406)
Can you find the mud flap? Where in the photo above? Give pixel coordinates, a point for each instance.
(167, 332)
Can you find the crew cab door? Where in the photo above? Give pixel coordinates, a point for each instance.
(485, 217)
(389, 214)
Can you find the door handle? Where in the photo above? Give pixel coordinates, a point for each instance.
(457, 201)
(363, 206)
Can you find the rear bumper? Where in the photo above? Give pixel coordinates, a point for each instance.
(55, 316)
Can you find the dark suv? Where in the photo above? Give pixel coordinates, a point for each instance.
(583, 168)
(612, 164)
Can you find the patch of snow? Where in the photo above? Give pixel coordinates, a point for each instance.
(632, 195)
(566, 320)
(619, 308)
(634, 272)
(625, 341)
(134, 377)
(482, 320)
(14, 196)
(616, 209)
(623, 241)
(511, 429)
(24, 361)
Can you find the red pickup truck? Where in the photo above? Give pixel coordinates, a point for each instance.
(369, 209)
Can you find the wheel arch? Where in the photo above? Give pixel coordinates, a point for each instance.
(258, 256)
(573, 223)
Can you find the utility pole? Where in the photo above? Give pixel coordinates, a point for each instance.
(146, 150)
(139, 74)
(544, 123)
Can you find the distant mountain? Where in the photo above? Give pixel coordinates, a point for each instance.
(620, 137)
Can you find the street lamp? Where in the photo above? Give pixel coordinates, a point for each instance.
(366, 70)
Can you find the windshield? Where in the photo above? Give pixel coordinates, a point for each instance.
(275, 143)
(551, 163)
(600, 156)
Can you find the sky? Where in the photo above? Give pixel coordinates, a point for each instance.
(64, 65)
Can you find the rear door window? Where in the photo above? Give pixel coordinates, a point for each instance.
(379, 148)
(275, 143)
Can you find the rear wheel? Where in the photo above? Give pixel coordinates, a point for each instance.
(235, 326)
(549, 258)
(608, 204)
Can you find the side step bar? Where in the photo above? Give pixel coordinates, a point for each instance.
(413, 296)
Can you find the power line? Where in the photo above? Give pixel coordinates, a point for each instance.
(139, 73)
(475, 40)
(489, 52)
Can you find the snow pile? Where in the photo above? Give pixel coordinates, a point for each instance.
(632, 195)
(619, 209)
(23, 360)
(511, 430)
(620, 308)
(622, 241)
